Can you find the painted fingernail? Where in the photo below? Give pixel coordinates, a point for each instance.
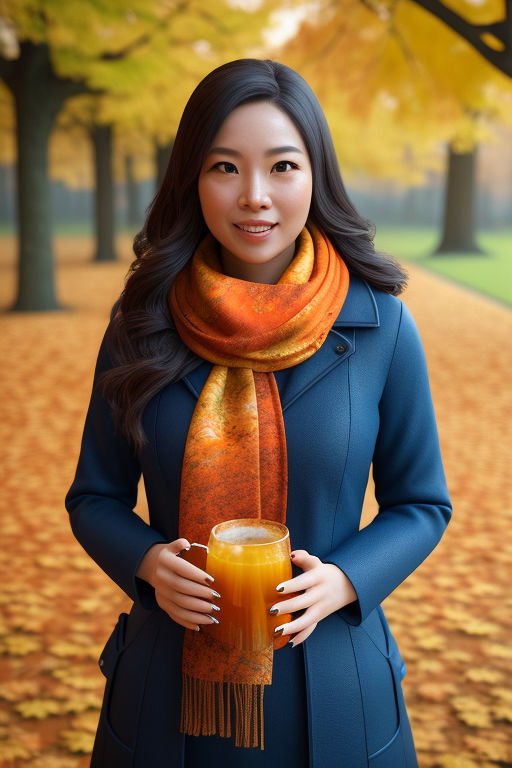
(215, 621)
(215, 594)
(279, 630)
(215, 607)
(290, 643)
(279, 588)
(292, 556)
(273, 611)
(209, 579)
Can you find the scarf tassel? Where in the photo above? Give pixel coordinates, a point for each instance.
(206, 710)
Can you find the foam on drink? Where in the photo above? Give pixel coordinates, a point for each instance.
(245, 534)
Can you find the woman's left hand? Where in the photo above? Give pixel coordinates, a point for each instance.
(326, 589)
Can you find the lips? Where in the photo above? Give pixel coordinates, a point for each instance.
(254, 228)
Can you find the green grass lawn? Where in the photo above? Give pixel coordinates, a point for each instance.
(489, 273)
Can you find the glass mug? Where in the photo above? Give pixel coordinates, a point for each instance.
(247, 558)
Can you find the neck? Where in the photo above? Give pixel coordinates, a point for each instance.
(268, 272)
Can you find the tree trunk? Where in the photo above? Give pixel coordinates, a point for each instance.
(101, 136)
(5, 194)
(459, 213)
(133, 216)
(162, 155)
(38, 96)
(410, 209)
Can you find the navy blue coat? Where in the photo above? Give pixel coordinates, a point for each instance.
(363, 397)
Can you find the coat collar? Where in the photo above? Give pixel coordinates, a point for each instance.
(359, 307)
(359, 310)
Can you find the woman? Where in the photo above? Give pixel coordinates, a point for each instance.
(256, 364)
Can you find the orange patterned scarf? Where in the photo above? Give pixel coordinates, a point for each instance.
(235, 456)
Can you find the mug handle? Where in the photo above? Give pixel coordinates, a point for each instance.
(196, 555)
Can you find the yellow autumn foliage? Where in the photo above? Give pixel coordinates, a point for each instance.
(397, 82)
(141, 59)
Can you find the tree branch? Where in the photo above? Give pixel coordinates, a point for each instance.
(181, 7)
(124, 52)
(472, 33)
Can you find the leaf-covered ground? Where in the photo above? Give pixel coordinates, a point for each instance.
(452, 617)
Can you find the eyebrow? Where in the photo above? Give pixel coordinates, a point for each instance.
(268, 153)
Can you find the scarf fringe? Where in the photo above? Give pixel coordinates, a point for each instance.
(206, 710)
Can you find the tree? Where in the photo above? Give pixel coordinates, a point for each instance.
(65, 49)
(391, 71)
(132, 192)
(27, 77)
(459, 214)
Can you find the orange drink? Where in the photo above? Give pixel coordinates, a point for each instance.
(248, 558)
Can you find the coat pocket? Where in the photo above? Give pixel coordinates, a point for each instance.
(109, 749)
(124, 662)
(379, 667)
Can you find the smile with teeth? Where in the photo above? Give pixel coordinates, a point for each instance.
(262, 228)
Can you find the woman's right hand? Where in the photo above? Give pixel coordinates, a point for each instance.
(182, 590)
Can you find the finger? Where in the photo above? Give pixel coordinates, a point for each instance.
(304, 560)
(194, 603)
(187, 587)
(184, 569)
(169, 608)
(297, 584)
(301, 636)
(191, 617)
(298, 603)
(308, 618)
(178, 546)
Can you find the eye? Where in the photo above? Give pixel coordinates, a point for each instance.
(226, 167)
(285, 165)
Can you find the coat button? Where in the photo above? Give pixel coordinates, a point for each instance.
(340, 349)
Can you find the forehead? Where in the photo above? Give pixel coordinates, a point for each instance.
(258, 124)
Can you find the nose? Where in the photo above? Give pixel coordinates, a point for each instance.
(254, 193)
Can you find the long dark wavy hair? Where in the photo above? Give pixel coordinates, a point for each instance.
(144, 347)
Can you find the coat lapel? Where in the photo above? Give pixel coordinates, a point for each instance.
(195, 380)
(359, 310)
(359, 307)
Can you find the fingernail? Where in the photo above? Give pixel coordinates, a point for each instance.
(292, 556)
(215, 607)
(290, 643)
(279, 630)
(279, 588)
(215, 594)
(209, 578)
(215, 621)
(273, 611)
(198, 628)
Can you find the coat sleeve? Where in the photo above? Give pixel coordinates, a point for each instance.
(103, 494)
(410, 486)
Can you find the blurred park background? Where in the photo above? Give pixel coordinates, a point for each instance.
(418, 94)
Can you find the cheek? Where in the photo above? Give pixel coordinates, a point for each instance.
(205, 200)
(298, 199)
(213, 202)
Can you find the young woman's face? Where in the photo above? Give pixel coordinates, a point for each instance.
(255, 191)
